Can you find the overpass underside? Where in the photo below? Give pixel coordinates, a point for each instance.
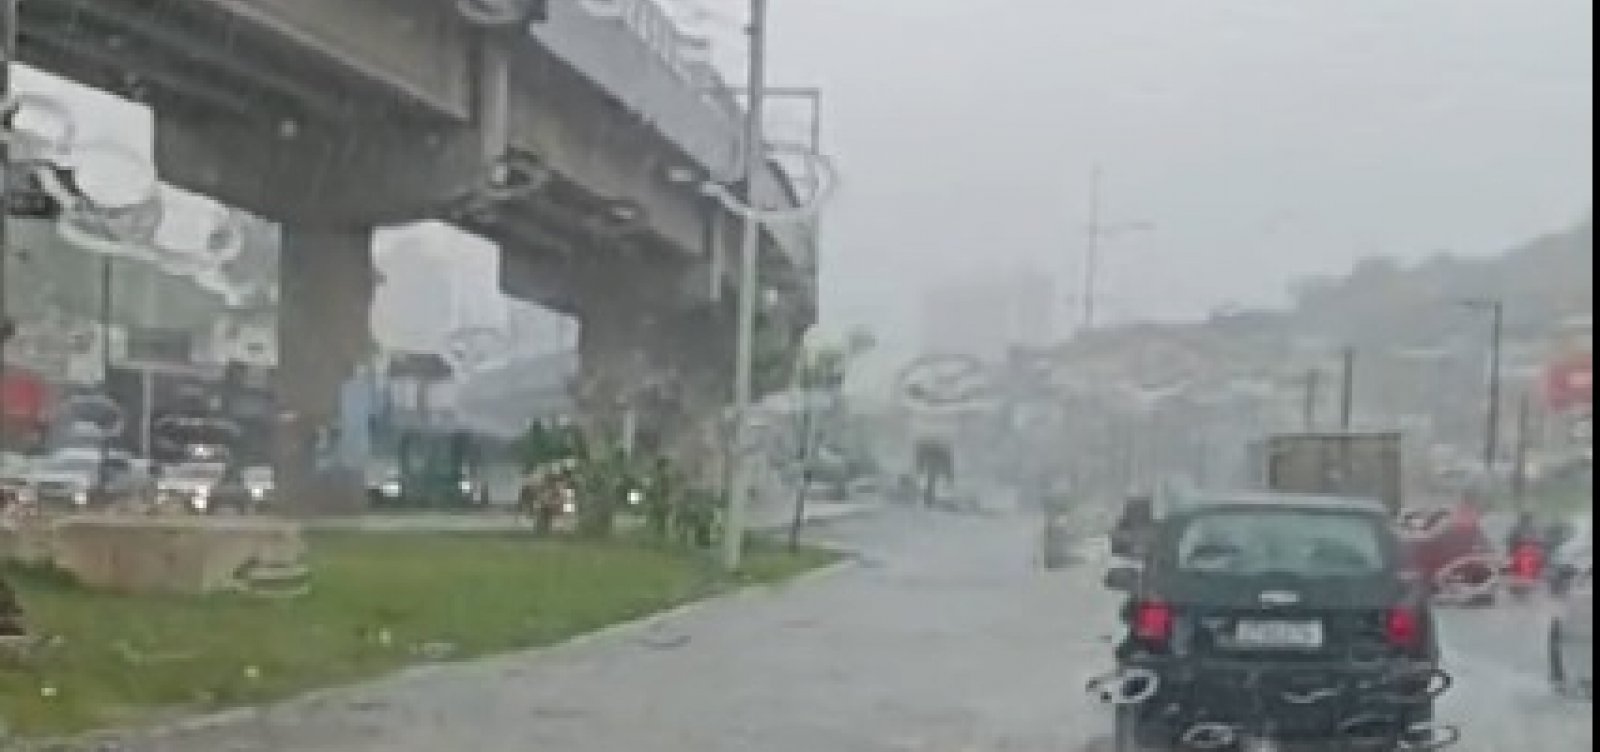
(336, 117)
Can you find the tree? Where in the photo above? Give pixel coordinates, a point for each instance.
(818, 386)
(543, 444)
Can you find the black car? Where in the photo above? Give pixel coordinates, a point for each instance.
(1278, 619)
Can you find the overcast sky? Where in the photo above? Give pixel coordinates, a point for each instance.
(1266, 139)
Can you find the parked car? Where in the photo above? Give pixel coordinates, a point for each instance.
(190, 486)
(1278, 620)
(14, 488)
(83, 478)
(1572, 627)
(259, 483)
(827, 491)
(455, 489)
(866, 487)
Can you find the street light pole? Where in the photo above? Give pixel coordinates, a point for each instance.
(740, 486)
(8, 53)
(754, 161)
(1308, 407)
(100, 478)
(1098, 232)
(1091, 253)
(1497, 324)
(1347, 388)
(813, 96)
(1519, 469)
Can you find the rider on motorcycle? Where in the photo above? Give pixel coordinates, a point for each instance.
(1526, 546)
(1525, 532)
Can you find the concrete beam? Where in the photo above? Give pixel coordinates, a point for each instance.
(589, 138)
(420, 49)
(166, 46)
(367, 173)
(540, 276)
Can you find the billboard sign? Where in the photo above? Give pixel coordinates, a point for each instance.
(1569, 383)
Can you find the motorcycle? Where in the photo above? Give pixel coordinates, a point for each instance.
(1525, 570)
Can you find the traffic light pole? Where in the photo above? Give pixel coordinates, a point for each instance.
(8, 51)
(11, 617)
(1491, 440)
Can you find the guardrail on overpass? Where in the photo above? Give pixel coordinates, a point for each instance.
(638, 58)
(418, 51)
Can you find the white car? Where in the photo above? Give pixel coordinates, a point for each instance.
(14, 486)
(258, 482)
(191, 485)
(70, 477)
(1572, 628)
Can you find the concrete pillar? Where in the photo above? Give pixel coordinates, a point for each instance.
(650, 339)
(693, 349)
(323, 337)
(613, 360)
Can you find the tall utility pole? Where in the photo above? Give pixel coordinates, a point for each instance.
(1497, 326)
(1519, 470)
(100, 478)
(1347, 389)
(1497, 330)
(812, 95)
(8, 53)
(1091, 251)
(1308, 409)
(1099, 231)
(754, 160)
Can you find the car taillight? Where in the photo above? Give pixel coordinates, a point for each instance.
(1403, 628)
(1152, 621)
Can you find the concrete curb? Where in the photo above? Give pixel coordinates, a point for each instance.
(831, 515)
(636, 627)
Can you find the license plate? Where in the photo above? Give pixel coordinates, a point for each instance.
(1292, 635)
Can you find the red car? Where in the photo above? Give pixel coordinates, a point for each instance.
(1449, 550)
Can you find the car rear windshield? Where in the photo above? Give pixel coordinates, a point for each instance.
(1289, 542)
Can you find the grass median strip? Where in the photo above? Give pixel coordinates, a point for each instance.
(379, 601)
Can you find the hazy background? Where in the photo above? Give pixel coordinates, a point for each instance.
(1266, 139)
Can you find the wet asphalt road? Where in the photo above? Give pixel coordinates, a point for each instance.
(944, 637)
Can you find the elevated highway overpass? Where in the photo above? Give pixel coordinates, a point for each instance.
(577, 144)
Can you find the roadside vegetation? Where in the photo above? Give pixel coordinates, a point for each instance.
(379, 602)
